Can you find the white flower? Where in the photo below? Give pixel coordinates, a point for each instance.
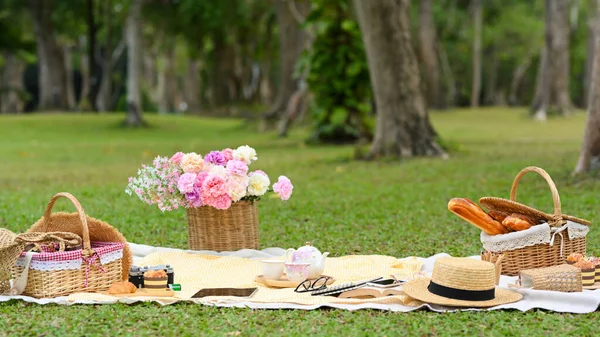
(245, 153)
(258, 184)
(218, 171)
(192, 162)
(236, 187)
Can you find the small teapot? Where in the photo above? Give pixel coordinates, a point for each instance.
(308, 254)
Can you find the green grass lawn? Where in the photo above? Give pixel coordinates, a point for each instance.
(342, 206)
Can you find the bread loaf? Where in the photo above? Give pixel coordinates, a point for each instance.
(498, 215)
(518, 222)
(124, 287)
(472, 213)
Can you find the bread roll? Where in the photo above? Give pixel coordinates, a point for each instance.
(124, 287)
(155, 274)
(498, 215)
(472, 213)
(518, 222)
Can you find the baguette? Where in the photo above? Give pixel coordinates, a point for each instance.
(518, 222)
(472, 213)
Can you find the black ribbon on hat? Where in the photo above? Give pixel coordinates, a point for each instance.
(461, 294)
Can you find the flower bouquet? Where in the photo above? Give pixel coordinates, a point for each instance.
(217, 190)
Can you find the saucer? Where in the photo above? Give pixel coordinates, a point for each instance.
(284, 282)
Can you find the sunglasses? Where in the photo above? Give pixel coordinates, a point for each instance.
(308, 285)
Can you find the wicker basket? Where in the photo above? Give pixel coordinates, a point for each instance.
(90, 269)
(539, 255)
(223, 230)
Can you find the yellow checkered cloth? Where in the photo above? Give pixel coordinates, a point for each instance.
(194, 272)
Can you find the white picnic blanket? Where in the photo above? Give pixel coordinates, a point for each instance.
(584, 302)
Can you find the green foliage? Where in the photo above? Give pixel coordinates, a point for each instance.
(338, 74)
(343, 207)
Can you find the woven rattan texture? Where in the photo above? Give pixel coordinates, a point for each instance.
(223, 230)
(563, 277)
(63, 282)
(541, 255)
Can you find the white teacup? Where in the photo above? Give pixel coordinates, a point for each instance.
(297, 272)
(272, 269)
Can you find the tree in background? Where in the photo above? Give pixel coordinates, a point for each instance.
(291, 44)
(338, 75)
(589, 159)
(134, 60)
(477, 23)
(428, 55)
(403, 128)
(52, 72)
(17, 45)
(553, 79)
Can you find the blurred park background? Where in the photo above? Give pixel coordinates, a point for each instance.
(330, 65)
(92, 89)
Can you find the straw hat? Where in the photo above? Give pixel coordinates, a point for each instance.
(461, 282)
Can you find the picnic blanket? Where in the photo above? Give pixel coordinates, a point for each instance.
(197, 269)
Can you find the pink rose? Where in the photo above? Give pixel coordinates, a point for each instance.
(283, 187)
(176, 159)
(237, 167)
(185, 184)
(227, 154)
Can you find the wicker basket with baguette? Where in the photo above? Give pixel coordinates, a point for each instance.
(507, 225)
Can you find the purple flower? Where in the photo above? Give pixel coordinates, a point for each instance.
(215, 157)
(193, 198)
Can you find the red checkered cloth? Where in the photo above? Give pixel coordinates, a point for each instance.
(100, 248)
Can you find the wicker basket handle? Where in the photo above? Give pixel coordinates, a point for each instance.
(558, 218)
(87, 247)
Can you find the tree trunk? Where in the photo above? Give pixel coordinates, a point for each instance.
(93, 89)
(134, 62)
(84, 68)
(448, 74)
(589, 61)
(265, 86)
(560, 55)
(11, 84)
(476, 88)
(222, 71)
(428, 55)
(69, 72)
(541, 101)
(589, 158)
(167, 83)
(517, 78)
(402, 128)
(490, 88)
(52, 76)
(291, 41)
(191, 86)
(103, 96)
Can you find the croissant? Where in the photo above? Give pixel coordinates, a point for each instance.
(518, 222)
(122, 288)
(472, 213)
